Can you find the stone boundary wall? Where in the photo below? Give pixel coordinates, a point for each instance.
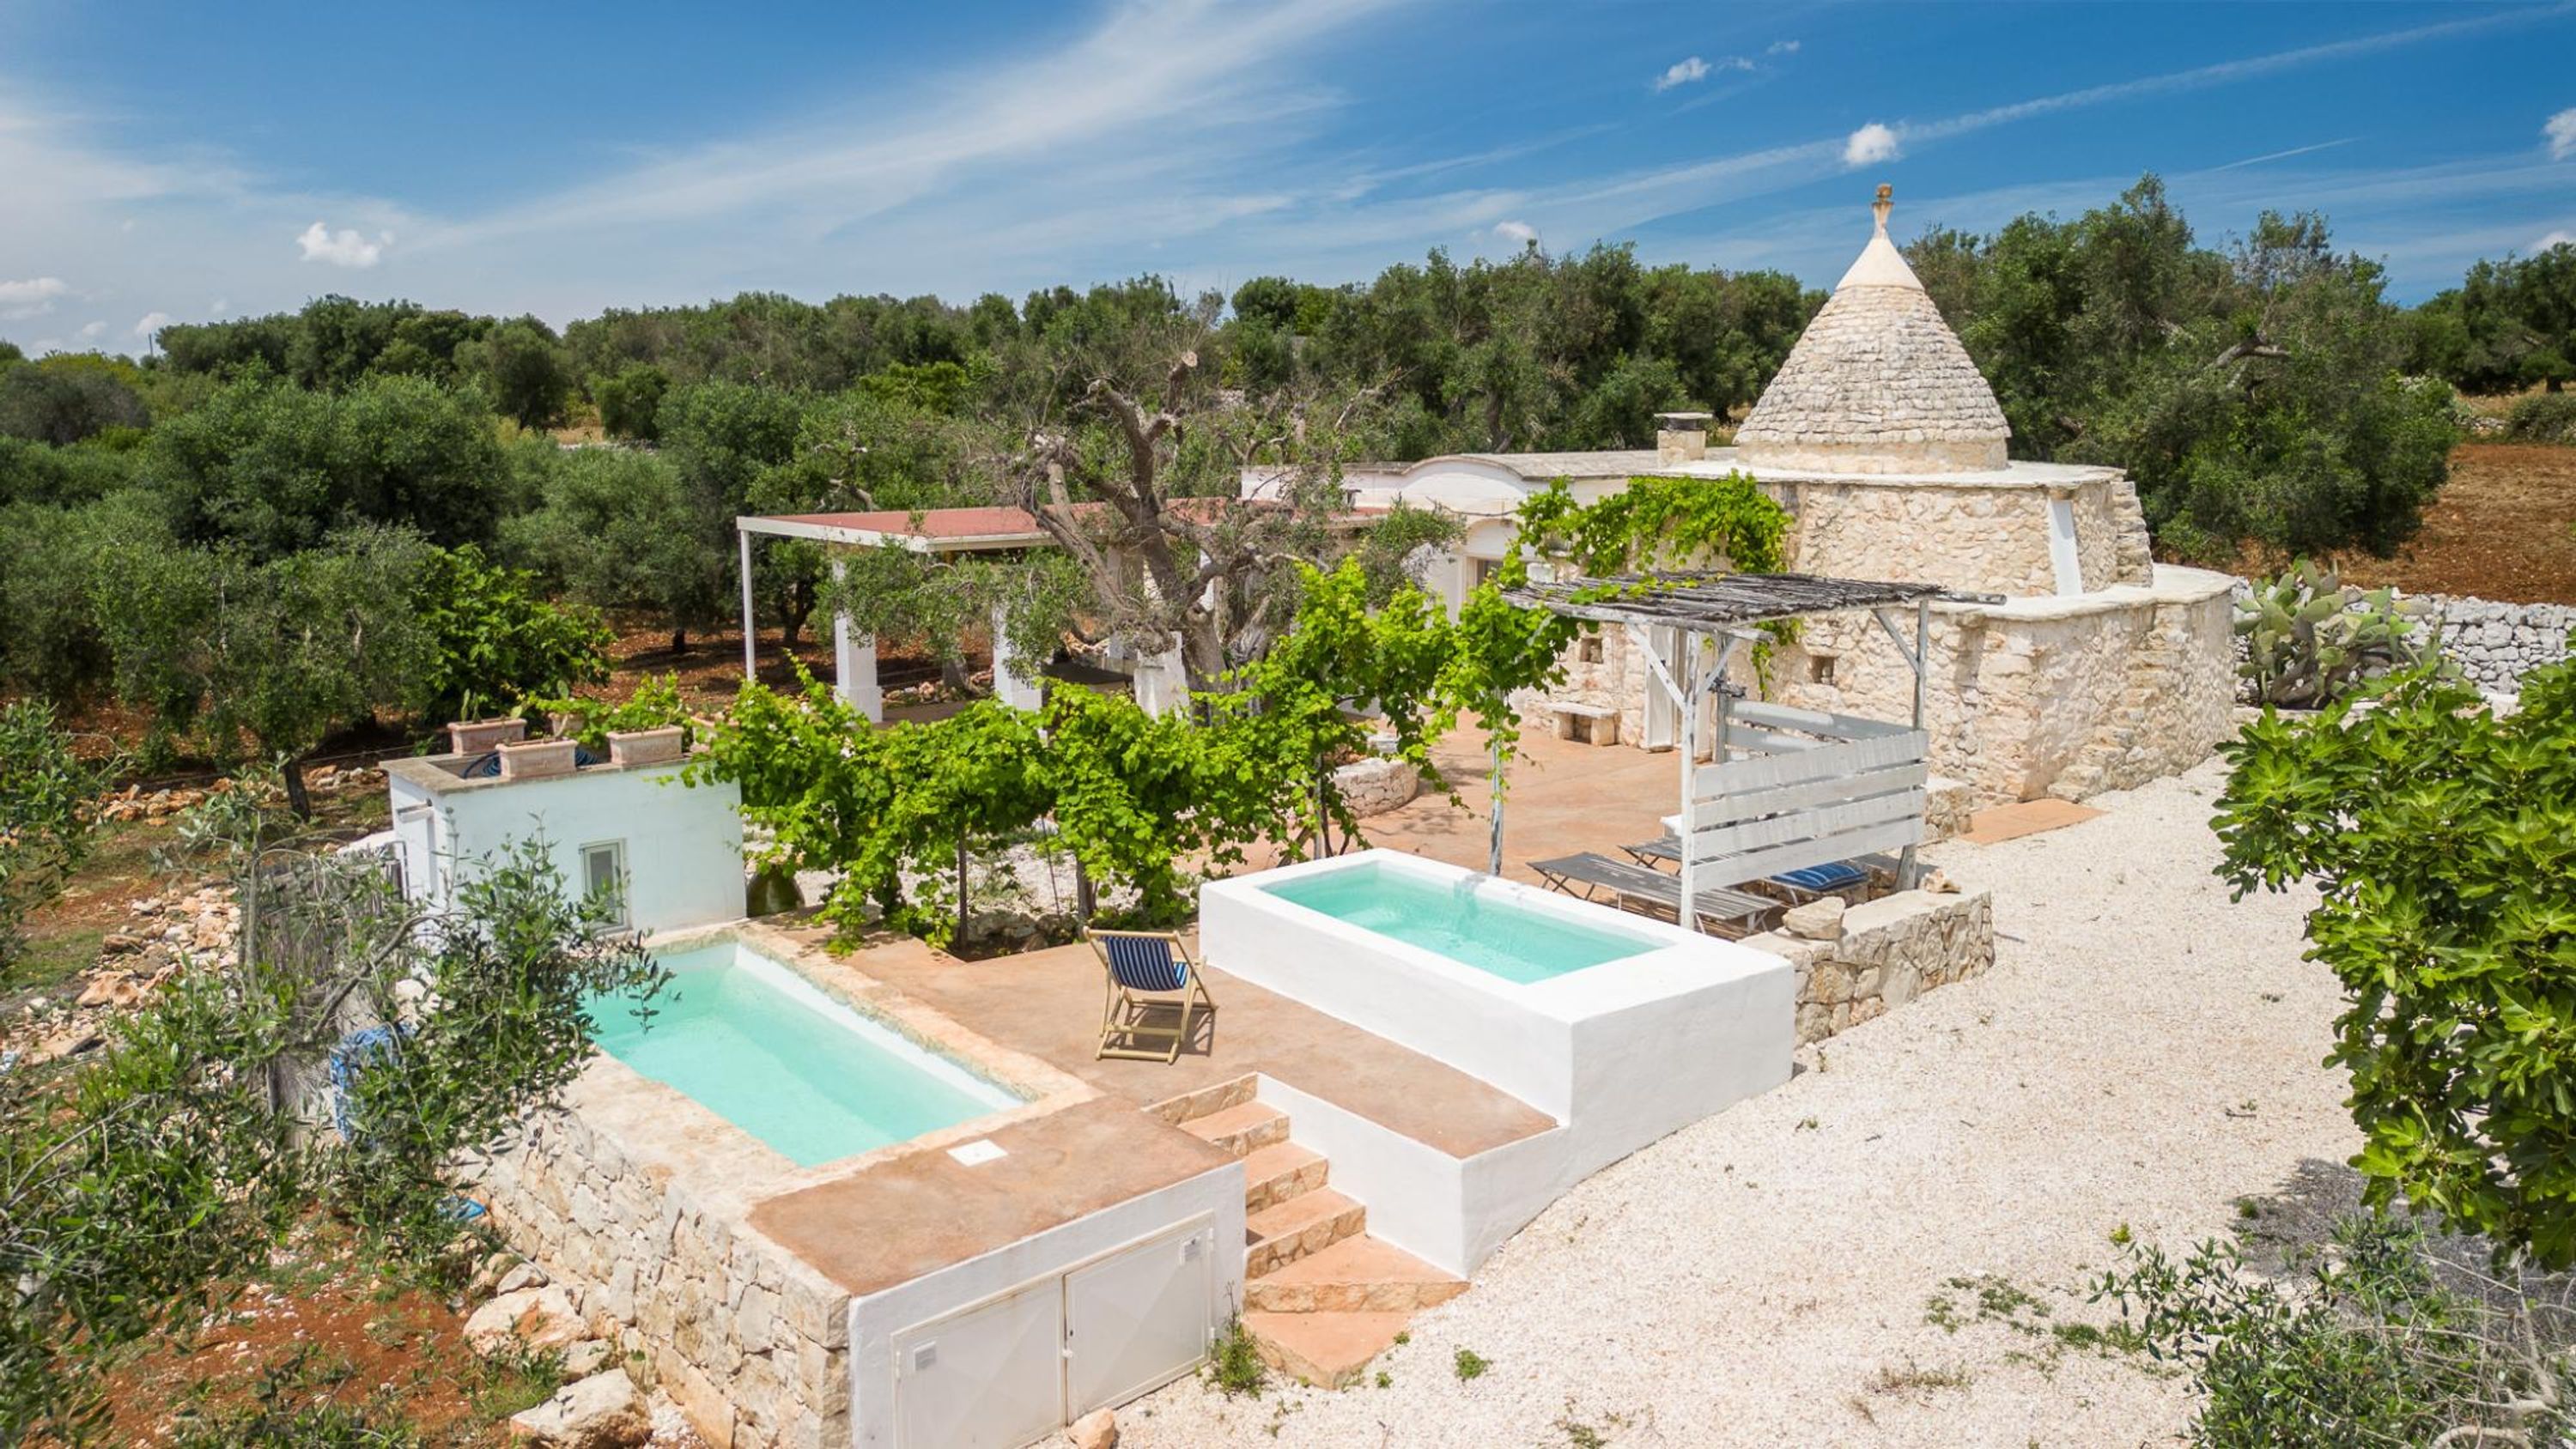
(751, 1343)
(1889, 951)
(2496, 644)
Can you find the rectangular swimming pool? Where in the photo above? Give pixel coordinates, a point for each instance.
(750, 1040)
(1476, 928)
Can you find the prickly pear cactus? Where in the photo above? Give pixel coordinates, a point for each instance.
(2310, 639)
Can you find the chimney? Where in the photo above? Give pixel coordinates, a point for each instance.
(1681, 437)
(536, 759)
(480, 736)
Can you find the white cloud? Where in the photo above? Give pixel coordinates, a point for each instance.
(1682, 73)
(90, 330)
(1870, 145)
(150, 323)
(31, 298)
(1518, 233)
(2561, 131)
(218, 307)
(2559, 238)
(343, 248)
(1782, 47)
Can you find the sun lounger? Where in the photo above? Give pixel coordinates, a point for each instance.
(1642, 888)
(1147, 972)
(1806, 884)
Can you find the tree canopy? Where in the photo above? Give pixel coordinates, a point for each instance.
(2256, 394)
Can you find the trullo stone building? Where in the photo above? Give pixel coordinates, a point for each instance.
(2100, 669)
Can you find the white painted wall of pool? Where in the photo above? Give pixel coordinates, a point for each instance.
(1620, 1053)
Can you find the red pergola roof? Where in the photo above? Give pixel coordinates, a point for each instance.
(946, 530)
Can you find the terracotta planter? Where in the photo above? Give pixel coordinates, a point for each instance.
(479, 736)
(647, 747)
(536, 759)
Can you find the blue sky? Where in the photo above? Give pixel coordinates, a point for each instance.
(162, 162)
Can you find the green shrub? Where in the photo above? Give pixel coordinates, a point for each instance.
(47, 796)
(655, 704)
(2441, 839)
(2545, 417)
(1234, 1366)
(492, 639)
(2378, 1342)
(1470, 1364)
(2310, 640)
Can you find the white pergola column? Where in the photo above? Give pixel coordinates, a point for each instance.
(1015, 680)
(854, 658)
(750, 641)
(1162, 681)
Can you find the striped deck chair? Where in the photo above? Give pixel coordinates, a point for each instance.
(1147, 972)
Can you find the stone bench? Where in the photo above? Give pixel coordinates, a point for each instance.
(1586, 723)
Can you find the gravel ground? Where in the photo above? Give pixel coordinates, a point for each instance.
(2143, 1052)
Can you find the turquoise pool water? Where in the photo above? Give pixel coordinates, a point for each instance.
(760, 1046)
(1494, 935)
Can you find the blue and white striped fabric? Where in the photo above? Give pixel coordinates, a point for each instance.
(1145, 963)
(1823, 878)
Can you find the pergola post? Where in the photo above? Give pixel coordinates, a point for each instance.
(750, 641)
(1909, 869)
(1013, 684)
(854, 657)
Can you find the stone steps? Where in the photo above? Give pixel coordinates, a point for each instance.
(1321, 1297)
(1308, 1223)
(1241, 1131)
(1355, 1275)
(1330, 1350)
(1280, 1171)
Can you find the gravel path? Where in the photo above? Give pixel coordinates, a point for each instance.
(2143, 1052)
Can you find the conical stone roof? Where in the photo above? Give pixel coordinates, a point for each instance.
(1878, 383)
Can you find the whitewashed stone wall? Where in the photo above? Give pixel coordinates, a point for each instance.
(1892, 950)
(750, 1342)
(2495, 644)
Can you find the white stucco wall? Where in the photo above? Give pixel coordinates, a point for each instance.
(1621, 1053)
(683, 842)
(1213, 1198)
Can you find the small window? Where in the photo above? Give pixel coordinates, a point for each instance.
(1587, 650)
(1484, 570)
(1820, 669)
(603, 876)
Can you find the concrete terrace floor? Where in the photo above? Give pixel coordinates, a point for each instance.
(1561, 798)
(1047, 1004)
(2144, 1053)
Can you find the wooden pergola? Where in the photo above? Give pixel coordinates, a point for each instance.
(1784, 788)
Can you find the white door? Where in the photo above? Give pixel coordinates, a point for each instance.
(991, 1377)
(1138, 1319)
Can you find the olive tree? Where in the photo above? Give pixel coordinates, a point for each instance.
(234, 652)
(146, 1182)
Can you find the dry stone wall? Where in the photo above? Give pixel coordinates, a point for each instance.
(2496, 644)
(750, 1343)
(1890, 951)
(1375, 786)
(2052, 696)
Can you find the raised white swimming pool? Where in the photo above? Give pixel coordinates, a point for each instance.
(1571, 1007)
